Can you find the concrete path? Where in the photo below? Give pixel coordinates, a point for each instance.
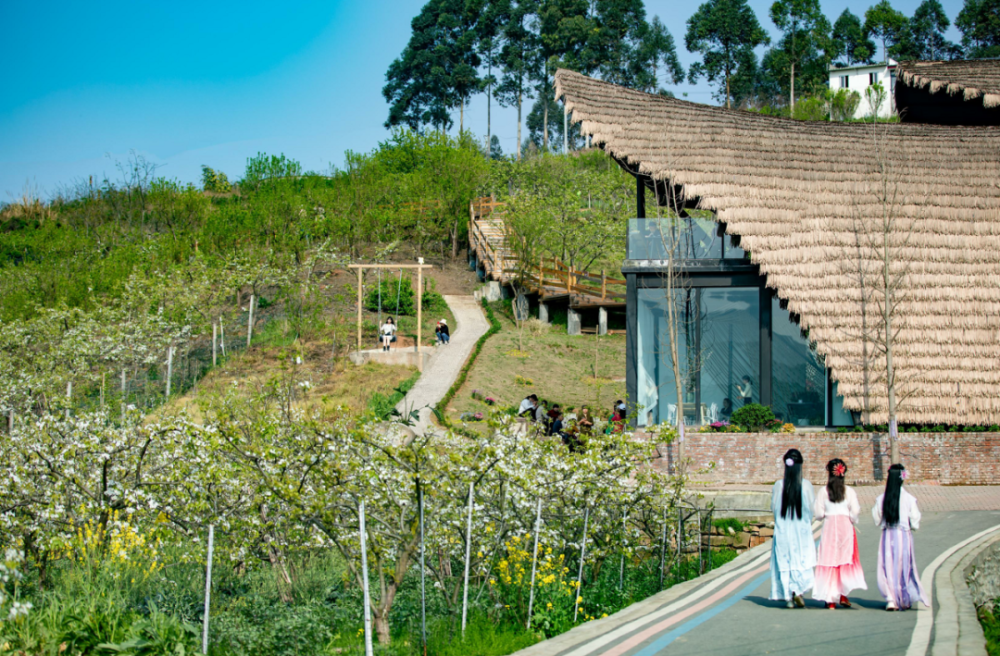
(444, 365)
(727, 612)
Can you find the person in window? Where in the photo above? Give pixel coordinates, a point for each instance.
(727, 409)
(388, 332)
(746, 390)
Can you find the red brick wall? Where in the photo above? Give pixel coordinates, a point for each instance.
(755, 458)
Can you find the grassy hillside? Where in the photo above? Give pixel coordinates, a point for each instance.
(544, 360)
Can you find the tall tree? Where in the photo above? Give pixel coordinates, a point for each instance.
(563, 27)
(850, 40)
(927, 28)
(615, 39)
(979, 23)
(806, 31)
(725, 32)
(518, 56)
(438, 69)
(488, 30)
(887, 25)
(656, 50)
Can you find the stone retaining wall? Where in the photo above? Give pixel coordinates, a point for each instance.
(755, 458)
(983, 576)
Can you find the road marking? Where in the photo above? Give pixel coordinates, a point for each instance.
(652, 631)
(663, 641)
(921, 637)
(628, 627)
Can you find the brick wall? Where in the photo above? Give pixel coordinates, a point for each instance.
(755, 458)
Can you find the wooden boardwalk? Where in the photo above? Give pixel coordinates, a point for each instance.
(552, 280)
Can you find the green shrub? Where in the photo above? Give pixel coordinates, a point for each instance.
(753, 417)
(727, 523)
(393, 287)
(990, 619)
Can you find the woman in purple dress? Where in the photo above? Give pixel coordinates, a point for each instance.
(897, 513)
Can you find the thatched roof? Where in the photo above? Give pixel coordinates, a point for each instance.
(802, 194)
(975, 78)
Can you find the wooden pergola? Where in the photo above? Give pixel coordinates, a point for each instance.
(420, 266)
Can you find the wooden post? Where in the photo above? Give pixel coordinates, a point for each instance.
(604, 285)
(102, 389)
(468, 557)
(364, 579)
(541, 273)
(420, 312)
(215, 344)
(69, 397)
(208, 589)
(534, 561)
(250, 322)
(170, 367)
(10, 422)
(222, 336)
(569, 280)
(360, 283)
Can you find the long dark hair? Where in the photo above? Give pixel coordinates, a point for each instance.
(791, 487)
(890, 501)
(835, 486)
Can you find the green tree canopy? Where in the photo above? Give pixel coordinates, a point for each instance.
(725, 32)
(926, 36)
(887, 25)
(806, 37)
(850, 41)
(979, 23)
(519, 56)
(657, 52)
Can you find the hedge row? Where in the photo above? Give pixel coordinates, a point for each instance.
(442, 405)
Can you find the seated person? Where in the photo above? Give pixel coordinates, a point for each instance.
(541, 414)
(727, 409)
(585, 422)
(441, 332)
(622, 410)
(556, 427)
(527, 407)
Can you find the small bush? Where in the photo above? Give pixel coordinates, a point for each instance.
(727, 523)
(753, 417)
(392, 288)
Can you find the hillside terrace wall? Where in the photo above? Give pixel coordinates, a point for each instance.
(755, 458)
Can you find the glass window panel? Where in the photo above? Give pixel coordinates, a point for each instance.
(689, 238)
(798, 379)
(656, 387)
(730, 351)
(733, 252)
(841, 417)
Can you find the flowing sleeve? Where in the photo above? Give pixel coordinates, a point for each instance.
(776, 499)
(808, 498)
(853, 506)
(877, 511)
(819, 506)
(914, 514)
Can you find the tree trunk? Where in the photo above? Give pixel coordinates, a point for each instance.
(728, 103)
(281, 574)
(793, 91)
(461, 117)
(519, 126)
(382, 627)
(545, 116)
(890, 378)
(454, 241)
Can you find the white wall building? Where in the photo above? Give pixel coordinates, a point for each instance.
(859, 78)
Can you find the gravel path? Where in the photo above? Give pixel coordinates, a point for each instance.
(444, 365)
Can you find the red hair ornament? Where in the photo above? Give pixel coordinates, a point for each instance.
(839, 469)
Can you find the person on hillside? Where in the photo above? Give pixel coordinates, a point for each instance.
(585, 423)
(527, 407)
(793, 552)
(896, 512)
(622, 410)
(442, 333)
(541, 414)
(388, 332)
(838, 564)
(745, 390)
(616, 422)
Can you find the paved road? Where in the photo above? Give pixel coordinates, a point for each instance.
(730, 615)
(447, 361)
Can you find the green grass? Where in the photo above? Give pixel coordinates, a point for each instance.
(990, 619)
(729, 522)
(560, 368)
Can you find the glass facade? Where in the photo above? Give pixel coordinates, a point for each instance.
(798, 378)
(725, 359)
(718, 353)
(688, 238)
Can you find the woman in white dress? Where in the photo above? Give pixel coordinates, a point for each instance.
(793, 551)
(388, 330)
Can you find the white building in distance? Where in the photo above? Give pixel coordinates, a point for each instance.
(860, 78)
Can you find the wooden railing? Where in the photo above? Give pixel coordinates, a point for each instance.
(488, 237)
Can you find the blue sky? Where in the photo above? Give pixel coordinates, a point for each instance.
(191, 83)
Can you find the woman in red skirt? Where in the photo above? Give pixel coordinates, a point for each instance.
(838, 566)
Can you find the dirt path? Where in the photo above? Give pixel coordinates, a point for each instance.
(444, 365)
